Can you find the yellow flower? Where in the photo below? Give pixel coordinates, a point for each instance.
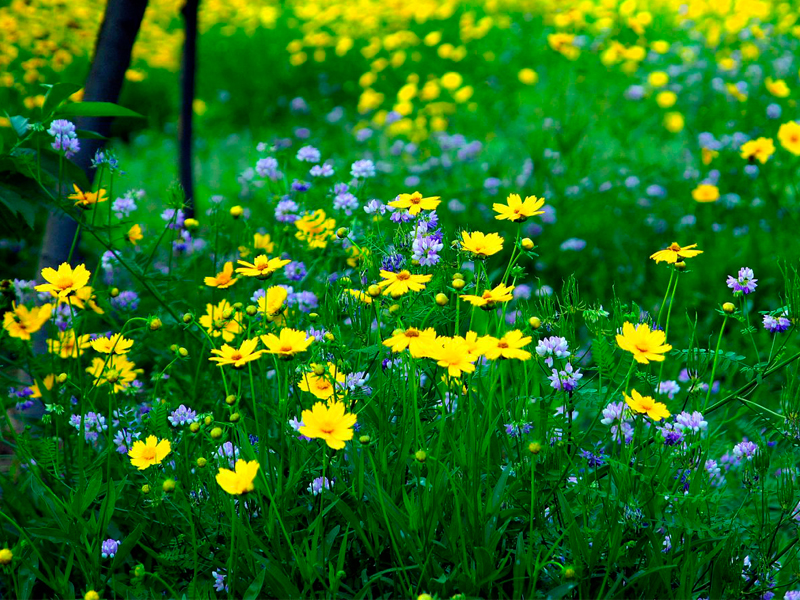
(758, 150)
(237, 357)
(398, 284)
(356, 255)
(501, 293)
(675, 251)
(20, 322)
(527, 76)
(315, 229)
(134, 234)
(115, 369)
(777, 87)
(224, 279)
(735, 92)
(49, 381)
(65, 281)
(240, 481)
(359, 295)
(645, 345)
(6, 556)
(66, 345)
(330, 423)
(705, 193)
(418, 342)
(707, 155)
(262, 267)
(453, 354)
(217, 324)
(646, 404)
(481, 244)
(116, 344)
(415, 203)
(658, 79)
(518, 210)
(666, 99)
(508, 346)
(477, 345)
(87, 199)
(674, 122)
(451, 81)
(272, 302)
(323, 386)
(789, 136)
(81, 298)
(263, 241)
(288, 343)
(148, 453)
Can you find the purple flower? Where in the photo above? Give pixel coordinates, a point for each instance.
(325, 170)
(375, 206)
(672, 434)
(566, 380)
(300, 186)
(309, 154)
(670, 388)
(593, 460)
(574, 244)
(320, 483)
(295, 271)
(792, 594)
(182, 415)
(776, 325)
(123, 440)
(126, 301)
(393, 262)
(268, 167)
(693, 422)
(358, 380)
(65, 138)
(617, 415)
(296, 425)
(715, 475)
(286, 210)
(426, 250)
(109, 548)
(745, 450)
(317, 334)
(124, 206)
(230, 452)
(93, 425)
(518, 429)
(174, 217)
(219, 580)
(362, 169)
(744, 283)
(552, 347)
(346, 202)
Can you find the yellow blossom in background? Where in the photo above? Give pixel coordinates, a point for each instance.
(236, 357)
(20, 322)
(518, 210)
(272, 301)
(316, 229)
(646, 405)
(359, 295)
(705, 192)
(527, 76)
(87, 199)
(674, 252)
(48, 380)
(415, 203)
(330, 423)
(148, 453)
(644, 344)
(734, 91)
(240, 480)
(114, 369)
(116, 344)
(758, 150)
(789, 137)
(134, 234)
(658, 79)
(674, 122)
(224, 279)
(218, 324)
(323, 386)
(666, 99)
(481, 244)
(65, 280)
(777, 87)
(398, 284)
(67, 346)
(707, 155)
(263, 241)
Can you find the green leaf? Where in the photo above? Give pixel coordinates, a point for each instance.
(18, 206)
(128, 544)
(254, 590)
(85, 134)
(57, 94)
(97, 109)
(89, 495)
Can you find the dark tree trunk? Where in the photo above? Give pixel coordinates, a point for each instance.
(188, 71)
(112, 57)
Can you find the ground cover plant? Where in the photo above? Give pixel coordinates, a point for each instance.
(479, 300)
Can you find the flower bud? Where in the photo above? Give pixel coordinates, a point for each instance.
(341, 233)
(729, 308)
(251, 310)
(183, 352)
(155, 324)
(535, 322)
(313, 316)
(458, 284)
(168, 486)
(114, 292)
(173, 348)
(207, 420)
(145, 489)
(201, 462)
(194, 427)
(534, 447)
(364, 439)
(237, 306)
(421, 456)
(237, 211)
(442, 299)
(187, 318)
(5, 556)
(216, 433)
(230, 399)
(227, 313)
(527, 244)
(191, 223)
(394, 308)
(374, 291)
(234, 418)
(458, 276)
(319, 370)
(91, 595)
(62, 377)
(680, 265)
(569, 572)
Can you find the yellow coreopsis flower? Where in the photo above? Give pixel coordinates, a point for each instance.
(418, 342)
(65, 280)
(240, 480)
(224, 279)
(789, 137)
(315, 229)
(262, 266)
(134, 234)
(758, 150)
(67, 346)
(707, 155)
(287, 343)
(323, 386)
(271, 303)
(475, 344)
(646, 405)
(415, 203)
(508, 346)
(83, 297)
(672, 253)
(87, 199)
(453, 354)
(263, 241)
(116, 369)
(222, 320)
(48, 380)
(398, 284)
(644, 344)
(481, 244)
(359, 295)
(148, 453)
(116, 344)
(330, 423)
(777, 87)
(501, 293)
(518, 210)
(237, 357)
(20, 322)
(705, 192)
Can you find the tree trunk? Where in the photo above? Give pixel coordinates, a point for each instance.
(112, 57)
(188, 71)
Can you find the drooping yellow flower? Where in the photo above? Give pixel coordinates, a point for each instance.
(357, 254)
(222, 320)
(134, 234)
(65, 280)
(777, 87)
(148, 453)
(508, 346)
(758, 150)
(707, 155)
(330, 423)
(398, 284)
(501, 293)
(271, 303)
(237, 357)
(224, 279)
(324, 385)
(263, 241)
(644, 344)
(705, 192)
(87, 199)
(48, 380)
(646, 405)
(734, 91)
(83, 297)
(66, 346)
(262, 267)
(287, 343)
(115, 369)
(518, 210)
(240, 481)
(316, 229)
(481, 244)
(789, 137)
(116, 344)
(415, 203)
(359, 295)
(20, 322)
(418, 342)
(453, 354)
(674, 252)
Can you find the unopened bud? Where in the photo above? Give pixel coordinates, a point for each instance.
(230, 399)
(527, 244)
(458, 284)
(155, 324)
(729, 308)
(216, 433)
(168, 486)
(535, 322)
(441, 299)
(421, 456)
(374, 291)
(237, 211)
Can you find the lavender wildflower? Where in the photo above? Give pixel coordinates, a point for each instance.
(295, 271)
(692, 422)
(123, 440)
(744, 283)
(426, 250)
(566, 380)
(375, 206)
(670, 388)
(109, 548)
(219, 580)
(182, 415)
(776, 325)
(296, 425)
(552, 347)
(126, 301)
(518, 429)
(672, 434)
(65, 137)
(309, 154)
(268, 167)
(745, 450)
(286, 211)
(325, 170)
(319, 484)
(362, 169)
